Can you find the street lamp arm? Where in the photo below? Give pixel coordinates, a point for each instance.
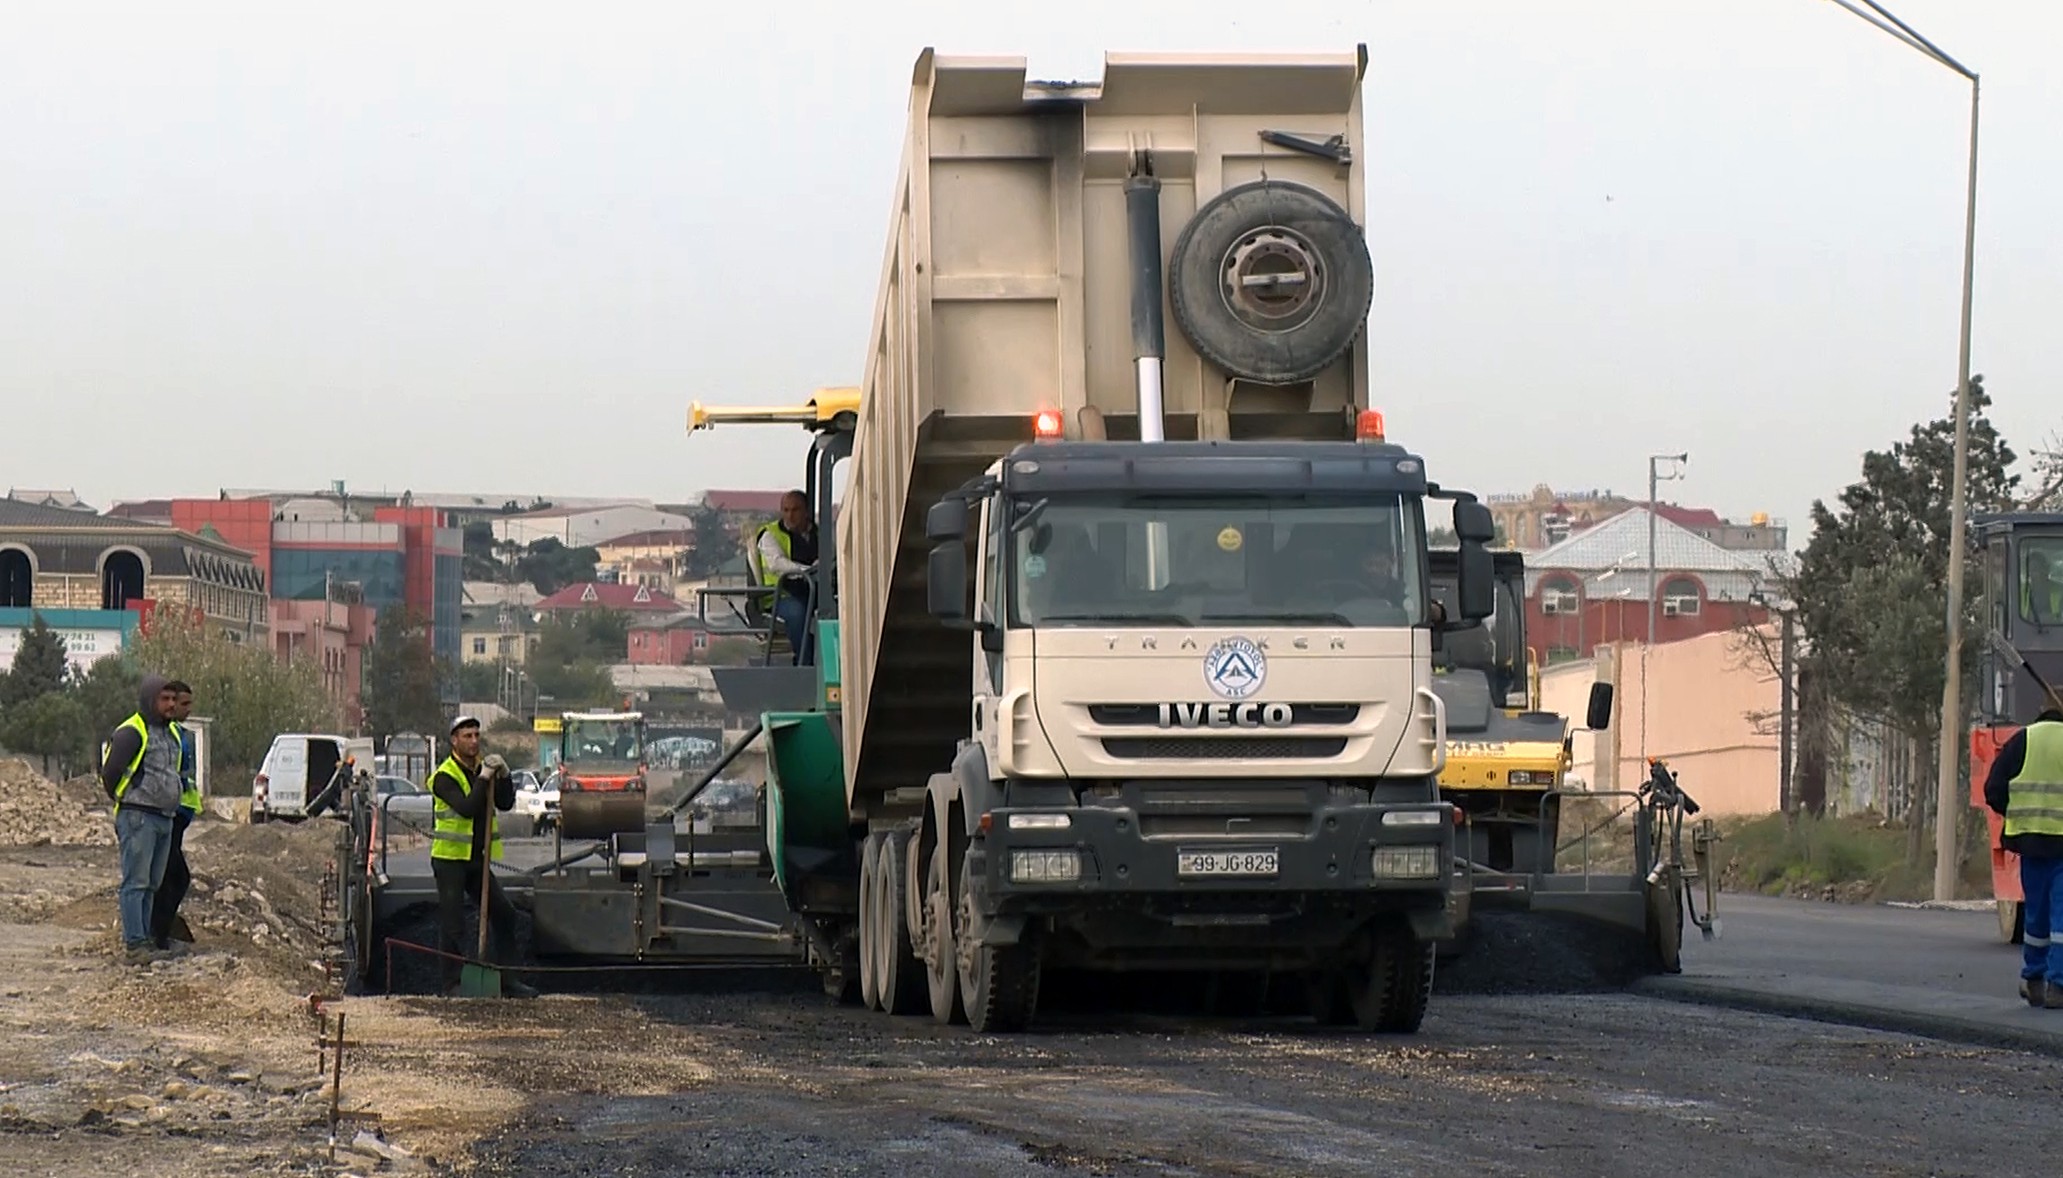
(1884, 20)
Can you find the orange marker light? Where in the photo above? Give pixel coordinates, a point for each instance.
(1046, 424)
(1368, 427)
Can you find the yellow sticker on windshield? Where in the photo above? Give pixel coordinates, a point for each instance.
(1230, 539)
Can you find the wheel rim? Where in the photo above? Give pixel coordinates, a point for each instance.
(1272, 279)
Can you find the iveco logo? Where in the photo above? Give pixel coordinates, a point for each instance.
(1226, 716)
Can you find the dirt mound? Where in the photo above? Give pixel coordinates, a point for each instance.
(36, 812)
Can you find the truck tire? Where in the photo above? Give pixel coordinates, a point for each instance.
(870, 921)
(999, 984)
(1266, 229)
(1395, 981)
(900, 974)
(941, 971)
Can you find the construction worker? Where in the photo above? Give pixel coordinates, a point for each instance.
(2025, 787)
(785, 552)
(461, 789)
(140, 772)
(164, 908)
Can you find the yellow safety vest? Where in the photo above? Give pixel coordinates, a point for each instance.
(186, 792)
(767, 576)
(451, 833)
(2034, 802)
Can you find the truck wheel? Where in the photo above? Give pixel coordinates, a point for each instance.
(2012, 923)
(870, 921)
(1394, 982)
(999, 984)
(1271, 281)
(941, 971)
(900, 974)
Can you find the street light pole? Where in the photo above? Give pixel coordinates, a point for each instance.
(1654, 476)
(1947, 797)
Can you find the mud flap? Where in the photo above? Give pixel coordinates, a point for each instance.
(1003, 930)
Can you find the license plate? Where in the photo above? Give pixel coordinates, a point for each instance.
(1225, 863)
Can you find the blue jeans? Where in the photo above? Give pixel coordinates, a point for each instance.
(2041, 902)
(794, 616)
(146, 841)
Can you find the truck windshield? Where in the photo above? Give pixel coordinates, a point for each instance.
(600, 741)
(1204, 561)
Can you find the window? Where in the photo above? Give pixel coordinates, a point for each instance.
(2041, 580)
(1681, 597)
(1201, 560)
(479, 646)
(1559, 595)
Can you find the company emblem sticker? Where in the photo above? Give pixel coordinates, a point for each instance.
(1230, 540)
(1235, 668)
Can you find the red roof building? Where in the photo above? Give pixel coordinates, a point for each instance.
(636, 599)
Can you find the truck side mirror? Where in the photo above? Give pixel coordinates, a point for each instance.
(1472, 522)
(1475, 589)
(947, 520)
(945, 590)
(1599, 716)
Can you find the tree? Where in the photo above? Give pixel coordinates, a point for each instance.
(1890, 535)
(714, 542)
(249, 694)
(1871, 587)
(51, 726)
(480, 563)
(40, 667)
(107, 692)
(570, 662)
(550, 566)
(479, 681)
(402, 675)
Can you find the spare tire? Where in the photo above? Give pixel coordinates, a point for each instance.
(1271, 281)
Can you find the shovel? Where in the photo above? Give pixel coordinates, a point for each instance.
(483, 980)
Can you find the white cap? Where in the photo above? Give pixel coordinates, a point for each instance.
(465, 722)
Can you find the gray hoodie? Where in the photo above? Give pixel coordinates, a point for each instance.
(156, 786)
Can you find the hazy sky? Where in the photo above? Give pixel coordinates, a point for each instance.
(493, 247)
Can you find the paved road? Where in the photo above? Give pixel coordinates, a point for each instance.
(1924, 971)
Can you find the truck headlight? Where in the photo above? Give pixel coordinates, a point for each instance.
(1045, 866)
(1413, 817)
(1411, 862)
(1530, 777)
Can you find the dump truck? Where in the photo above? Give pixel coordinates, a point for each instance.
(1507, 767)
(1125, 634)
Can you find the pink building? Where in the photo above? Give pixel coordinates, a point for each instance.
(668, 642)
(334, 636)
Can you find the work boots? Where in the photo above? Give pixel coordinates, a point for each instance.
(2040, 994)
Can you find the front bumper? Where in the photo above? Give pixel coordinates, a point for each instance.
(1310, 882)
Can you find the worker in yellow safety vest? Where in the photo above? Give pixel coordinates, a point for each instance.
(139, 769)
(167, 931)
(462, 790)
(2025, 787)
(2041, 598)
(783, 555)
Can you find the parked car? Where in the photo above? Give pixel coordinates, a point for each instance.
(537, 800)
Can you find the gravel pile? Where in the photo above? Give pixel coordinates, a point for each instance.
(36, 812)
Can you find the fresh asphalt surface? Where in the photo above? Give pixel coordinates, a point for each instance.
(1941, 973)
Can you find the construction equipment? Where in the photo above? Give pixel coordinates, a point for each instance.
(2020, 597)
(1507, 772)
(1180, 715)
(601, 773)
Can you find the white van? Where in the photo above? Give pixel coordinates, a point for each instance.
(299, 767)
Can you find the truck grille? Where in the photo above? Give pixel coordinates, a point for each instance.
(1204, 748)
(1148, 715)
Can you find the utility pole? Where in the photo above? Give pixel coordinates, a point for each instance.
(1949, 740)
(1654, 476)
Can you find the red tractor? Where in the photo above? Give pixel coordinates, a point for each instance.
(2022, 598)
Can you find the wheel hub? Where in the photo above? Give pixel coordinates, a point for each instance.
(1272, 278)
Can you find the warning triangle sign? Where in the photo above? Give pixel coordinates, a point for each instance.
(643, 596)
(588, 594)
